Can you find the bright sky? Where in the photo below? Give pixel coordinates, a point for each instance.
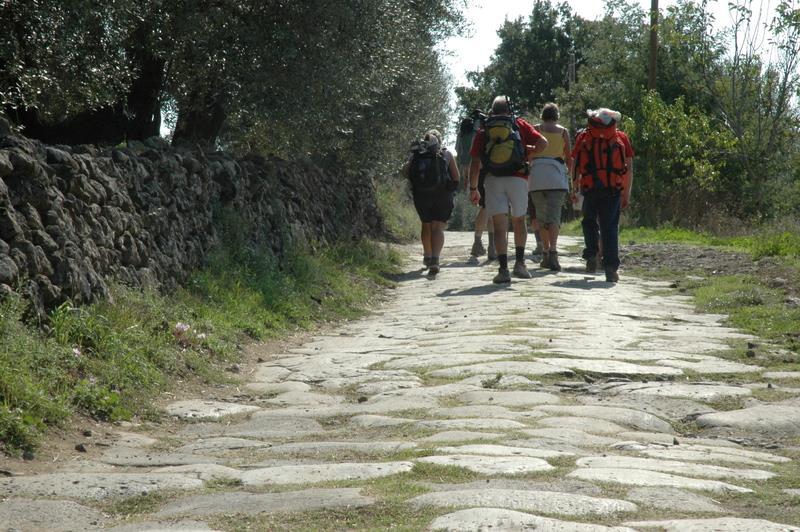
(473, 51)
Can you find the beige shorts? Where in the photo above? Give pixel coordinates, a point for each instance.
(502, 192)
(548, 206)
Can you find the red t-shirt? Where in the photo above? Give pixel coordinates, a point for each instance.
(526, 131)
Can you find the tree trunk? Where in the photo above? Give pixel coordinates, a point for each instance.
(200, 118)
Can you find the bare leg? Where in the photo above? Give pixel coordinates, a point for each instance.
(480, 223)
(544, 235)
(520, 231)
(500, 222)
(437, 238)
(553, 236)
(426, 239)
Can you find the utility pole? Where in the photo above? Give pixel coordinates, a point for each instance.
(651, 78)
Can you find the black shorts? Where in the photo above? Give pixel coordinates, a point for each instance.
(482, 189)
(434, 207)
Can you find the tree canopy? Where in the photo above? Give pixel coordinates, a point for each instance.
(324, 77)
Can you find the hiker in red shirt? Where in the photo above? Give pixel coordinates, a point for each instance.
(503, 148)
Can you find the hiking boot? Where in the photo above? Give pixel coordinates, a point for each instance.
(520, 271)
(591, 265)
(433, 270)
(545, 260)
(553, 258)
(477, 249)
(612, 276)
(503, 276)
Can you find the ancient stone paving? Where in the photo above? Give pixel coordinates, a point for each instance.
(560, 403)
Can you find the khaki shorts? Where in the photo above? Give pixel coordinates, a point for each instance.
(502, 192)
(548, 206)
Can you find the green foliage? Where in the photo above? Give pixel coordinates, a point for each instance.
(397, 209)
(687, 156)
(108, 360)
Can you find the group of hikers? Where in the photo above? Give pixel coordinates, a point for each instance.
(525, 169)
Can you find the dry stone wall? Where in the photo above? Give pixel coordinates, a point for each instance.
(74, 219)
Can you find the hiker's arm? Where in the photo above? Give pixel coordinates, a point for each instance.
(453, 167)
(627, 185)
(538, 145)
(567, 147)
(474, 173)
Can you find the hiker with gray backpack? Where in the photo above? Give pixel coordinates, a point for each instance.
(433, 174)
(503, 148)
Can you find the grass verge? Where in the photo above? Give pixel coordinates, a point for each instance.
(108, 360)
(394, 203)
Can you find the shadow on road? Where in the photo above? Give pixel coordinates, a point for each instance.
(584, 284)
(406, 276)
(475, 290)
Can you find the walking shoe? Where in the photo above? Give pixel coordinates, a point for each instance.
(545, 260)
(503, 276)
(554, 264)
(591, 265)
(612, 276)
(520, 271)
(433, 270)
(477, 249)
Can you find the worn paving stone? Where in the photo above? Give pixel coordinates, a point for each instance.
(613, 367)
(199, 409)
(471, 423)
(623, 416)
(484, 519)
(348, 447)
(669, 439)
(298, 398)
(673, 466)
(428, 360)
(164, 526)
(792, 492)
(584, 424)
(493, 368)
(379, 387)
(369, 421)
(94, 485)
(258, 503)
(131, 457)
(491, 465)
(41, 514)
(659, 406)
(781, 375)
(571, 436)
(700, 392)
(274, 388)
(503, 450)
(133, 439)
(477, 411)
(221, 445)
(697, 455)
(711, 366)
(308, 474)
(771, 419)
(561, 485)
(204, 472)
(641, 477)
(450, 436)
(514, 399)
(721, 524)
(260, 425)
(546, 502)
(671, 498)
